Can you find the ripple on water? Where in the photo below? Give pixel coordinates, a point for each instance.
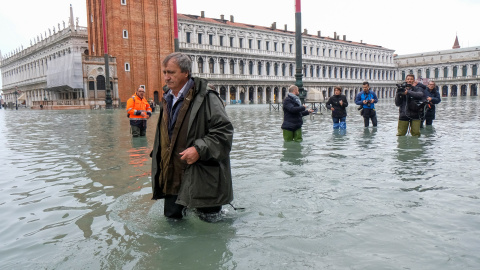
(75, 185)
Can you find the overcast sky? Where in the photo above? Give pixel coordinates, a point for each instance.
(406, 26)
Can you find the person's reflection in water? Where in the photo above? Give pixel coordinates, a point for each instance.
(139, 155)
(412, 161)
(292, 153)
(139, 142)
(429, 131)
(339, 132)
(191, 243)
(368, 138)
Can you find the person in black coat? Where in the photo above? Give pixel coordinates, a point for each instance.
(337, 104)
(293, 111)
(433, 96)
(407, 102)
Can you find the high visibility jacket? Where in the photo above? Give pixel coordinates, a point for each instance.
(135, 107)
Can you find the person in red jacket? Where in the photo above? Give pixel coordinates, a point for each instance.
(138, 111)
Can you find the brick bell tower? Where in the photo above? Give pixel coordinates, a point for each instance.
(140, 35)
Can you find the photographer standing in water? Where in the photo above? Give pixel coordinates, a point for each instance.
(407, 99)
(367, 100)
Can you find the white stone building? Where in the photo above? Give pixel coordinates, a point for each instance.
(246, 63)
(54, 71)
(455, 71)
(255, 64)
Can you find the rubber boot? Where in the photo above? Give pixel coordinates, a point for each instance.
(402, 128)
(287, 135)
(415, 128)
(297, 135)
(135, 131)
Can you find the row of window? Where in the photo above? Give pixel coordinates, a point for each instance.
(36, 64)
(283, 47)
(284, 69)
(445, 72)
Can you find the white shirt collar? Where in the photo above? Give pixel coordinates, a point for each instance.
(175, 98)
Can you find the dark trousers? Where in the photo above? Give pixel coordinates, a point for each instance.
(428, 121)
(139, 127)
(173, 210)
(369, 114)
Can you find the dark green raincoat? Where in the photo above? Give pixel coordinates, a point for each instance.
(207, 182)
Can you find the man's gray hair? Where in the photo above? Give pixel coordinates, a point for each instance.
(182, 60)
(292, 88)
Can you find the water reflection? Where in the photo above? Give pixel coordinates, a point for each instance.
(340, 132)
(367, 140)
(75, 190)
(292, 153)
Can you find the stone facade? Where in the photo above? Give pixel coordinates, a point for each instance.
(139, 36)
(456, 71)
(246, 63)
(54, 72)
(254, 64)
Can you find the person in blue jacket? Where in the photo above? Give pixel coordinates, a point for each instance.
(367, 100)
(433, 96)
(337, 104)
(293, 111)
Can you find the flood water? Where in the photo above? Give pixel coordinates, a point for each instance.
(75, 194)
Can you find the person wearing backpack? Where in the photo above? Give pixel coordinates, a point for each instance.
(138, 111)
(407, 101)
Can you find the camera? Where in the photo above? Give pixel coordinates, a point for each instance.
(402, 87)
(361, 106)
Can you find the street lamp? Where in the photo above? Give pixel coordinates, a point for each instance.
(175, 27)
(298, 47)
(16, 93)
(108, 95)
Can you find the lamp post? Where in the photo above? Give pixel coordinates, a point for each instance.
(108, 95)
(16, 93)
(298, 50)
(175, 26)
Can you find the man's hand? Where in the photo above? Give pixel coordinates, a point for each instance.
(190, 155)
(332, 109)
(144, 114)
(429, 99)
(365, 101)
(341, 103)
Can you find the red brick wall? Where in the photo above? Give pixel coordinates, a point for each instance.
(150, 39)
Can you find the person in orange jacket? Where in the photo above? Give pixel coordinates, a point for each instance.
(138, 111)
